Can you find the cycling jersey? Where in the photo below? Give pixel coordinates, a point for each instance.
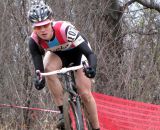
(66, 38)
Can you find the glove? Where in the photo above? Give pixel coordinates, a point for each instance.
(90, 72)
(39, 82)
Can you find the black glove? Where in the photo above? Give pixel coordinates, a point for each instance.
(39, 82)
(90, 72)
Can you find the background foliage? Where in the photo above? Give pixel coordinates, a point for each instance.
(123, 34)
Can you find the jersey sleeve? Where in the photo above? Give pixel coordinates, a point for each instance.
(85, 48)
(80, 42)
(73, 35)
(36, 55)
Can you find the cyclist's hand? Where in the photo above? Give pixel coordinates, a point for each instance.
(39, 81)
(90, 72)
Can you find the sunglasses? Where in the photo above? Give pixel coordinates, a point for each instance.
(43, 26)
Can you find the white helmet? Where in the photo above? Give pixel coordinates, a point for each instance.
(39, 13)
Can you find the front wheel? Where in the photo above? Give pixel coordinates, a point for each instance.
(72, 114)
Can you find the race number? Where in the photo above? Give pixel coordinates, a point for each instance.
(71, 34)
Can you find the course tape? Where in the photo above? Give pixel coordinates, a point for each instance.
(29, 108)
(121, 114)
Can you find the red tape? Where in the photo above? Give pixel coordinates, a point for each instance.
(29, 108)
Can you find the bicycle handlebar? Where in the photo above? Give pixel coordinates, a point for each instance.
(63, 70)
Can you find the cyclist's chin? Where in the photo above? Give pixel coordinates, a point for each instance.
(45, 37)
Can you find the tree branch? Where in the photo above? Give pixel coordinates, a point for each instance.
(151, 5)
(151, 32)
(127, 4)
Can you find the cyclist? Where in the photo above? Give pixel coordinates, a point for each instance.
(56, 44)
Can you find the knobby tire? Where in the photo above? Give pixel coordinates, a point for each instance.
(71, 113)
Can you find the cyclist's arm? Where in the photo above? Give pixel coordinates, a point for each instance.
(36, 55)
(80, 42)
(89, 54)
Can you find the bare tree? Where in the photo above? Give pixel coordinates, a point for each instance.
(125, 37)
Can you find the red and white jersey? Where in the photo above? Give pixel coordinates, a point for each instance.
(66, 37)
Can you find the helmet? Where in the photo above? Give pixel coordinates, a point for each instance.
(39, 13)
(36, 2)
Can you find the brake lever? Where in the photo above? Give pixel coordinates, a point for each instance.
(85, 65)
(38, 75)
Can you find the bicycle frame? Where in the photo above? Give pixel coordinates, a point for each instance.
(72, 99)
(70, 85)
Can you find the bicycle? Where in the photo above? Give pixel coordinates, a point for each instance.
(75, 114)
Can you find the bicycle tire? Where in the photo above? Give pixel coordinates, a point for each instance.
(72, 117)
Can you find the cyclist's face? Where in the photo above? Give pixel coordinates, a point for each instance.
(45, 31)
